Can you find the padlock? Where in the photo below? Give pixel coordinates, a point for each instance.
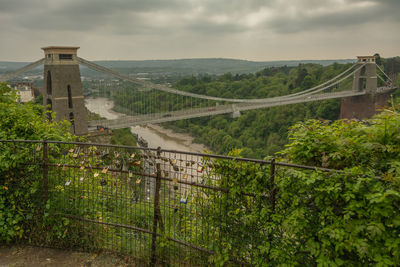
(103, 182)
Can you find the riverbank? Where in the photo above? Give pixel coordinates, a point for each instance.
(155, 135)
(185, 138)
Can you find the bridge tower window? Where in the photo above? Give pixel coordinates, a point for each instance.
(69, 96)
(65, 56)
(49, 108)
(48, 83)
(72, 120)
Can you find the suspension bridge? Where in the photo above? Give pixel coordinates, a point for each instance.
(63, 93)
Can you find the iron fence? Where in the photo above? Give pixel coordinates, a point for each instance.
(159, 206)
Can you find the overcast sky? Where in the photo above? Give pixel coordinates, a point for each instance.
(168, 29)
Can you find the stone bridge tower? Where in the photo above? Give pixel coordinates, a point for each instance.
(365, 79)
(63, 88)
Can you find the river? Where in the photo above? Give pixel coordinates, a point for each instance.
(155, 135)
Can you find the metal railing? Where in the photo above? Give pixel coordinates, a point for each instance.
(152, 204)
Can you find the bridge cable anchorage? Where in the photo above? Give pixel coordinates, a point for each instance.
(10, 75)
(162, 88)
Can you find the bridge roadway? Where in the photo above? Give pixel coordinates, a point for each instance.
(126, 121)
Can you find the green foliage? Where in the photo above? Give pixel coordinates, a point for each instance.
(123, 137)
(348, 218)
(20, 185)
(240, 219)
(27, 121)
(373, 144)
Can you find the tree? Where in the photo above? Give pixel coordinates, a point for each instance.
(27, 121)
(20, 182)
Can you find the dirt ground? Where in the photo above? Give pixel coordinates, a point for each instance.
(24, 256)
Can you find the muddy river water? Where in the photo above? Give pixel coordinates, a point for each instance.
(155, 135)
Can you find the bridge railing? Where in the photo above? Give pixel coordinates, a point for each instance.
(158, 206)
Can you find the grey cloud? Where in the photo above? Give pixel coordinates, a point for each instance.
(207, 27)
(15, 6)
(216, 22)
(90, 14)
(304, 21)
(126, 16)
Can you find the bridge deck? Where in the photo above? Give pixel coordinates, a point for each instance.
(126, 121)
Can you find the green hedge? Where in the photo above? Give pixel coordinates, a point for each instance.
(349, 218)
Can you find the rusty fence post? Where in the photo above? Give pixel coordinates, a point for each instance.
(272, 202)
(45, 172)
(156, 213)
(272, 185)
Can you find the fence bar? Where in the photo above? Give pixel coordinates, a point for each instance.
(147, 175)
(137, 229)
(183, 153)
(272, 185)
(157, 212)
(45, 172)
(127, 188)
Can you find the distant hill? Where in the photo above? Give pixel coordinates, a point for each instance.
(206, 65)
(184, 66)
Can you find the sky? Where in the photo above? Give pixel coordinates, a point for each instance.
(257, 30)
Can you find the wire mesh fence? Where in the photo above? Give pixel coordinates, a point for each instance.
(158, 206)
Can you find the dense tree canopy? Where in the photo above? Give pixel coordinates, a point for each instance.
(259, 132)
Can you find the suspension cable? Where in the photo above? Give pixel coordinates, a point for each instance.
(183, 93)
(384, 73)
(26, 68)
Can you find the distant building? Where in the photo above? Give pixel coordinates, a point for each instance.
(25, 90)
